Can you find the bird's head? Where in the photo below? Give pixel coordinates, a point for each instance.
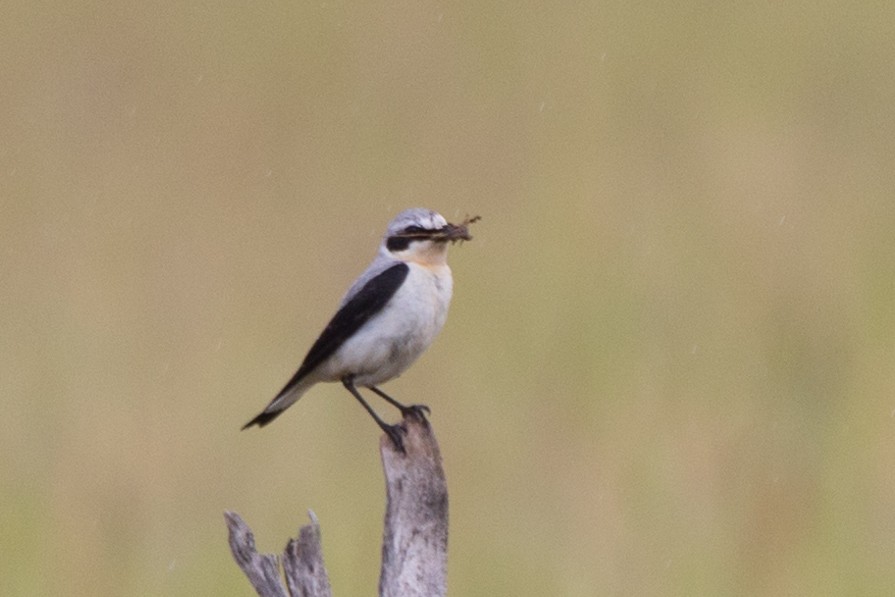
(422, 236)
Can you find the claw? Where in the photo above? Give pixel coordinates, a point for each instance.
(395, 433)
(416, 410)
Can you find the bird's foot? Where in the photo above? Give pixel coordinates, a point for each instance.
(418, 411)
(396, 434)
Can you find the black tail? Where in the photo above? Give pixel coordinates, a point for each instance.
(263, 419)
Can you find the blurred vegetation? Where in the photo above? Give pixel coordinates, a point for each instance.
(669, 366)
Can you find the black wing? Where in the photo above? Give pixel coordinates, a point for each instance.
(368, 301)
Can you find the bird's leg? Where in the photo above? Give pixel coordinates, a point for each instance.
(420, 410)
(393, 431)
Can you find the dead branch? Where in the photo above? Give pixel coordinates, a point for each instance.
(414, 539)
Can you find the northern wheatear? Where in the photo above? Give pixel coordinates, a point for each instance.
(386, 320)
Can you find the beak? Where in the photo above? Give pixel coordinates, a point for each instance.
(453, 233)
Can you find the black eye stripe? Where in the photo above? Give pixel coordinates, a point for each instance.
(401, 240)
(397, 243)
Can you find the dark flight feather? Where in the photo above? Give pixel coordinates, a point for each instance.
(359, 309)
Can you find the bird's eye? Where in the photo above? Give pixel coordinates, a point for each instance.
(401, 240)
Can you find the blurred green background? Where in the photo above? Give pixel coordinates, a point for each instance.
(669, 367)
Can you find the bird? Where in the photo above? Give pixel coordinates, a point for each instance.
(390, 315)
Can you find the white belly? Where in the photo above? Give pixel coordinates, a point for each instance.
(391, 341)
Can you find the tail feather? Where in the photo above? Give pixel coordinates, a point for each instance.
(278, 405)
(262, 419)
